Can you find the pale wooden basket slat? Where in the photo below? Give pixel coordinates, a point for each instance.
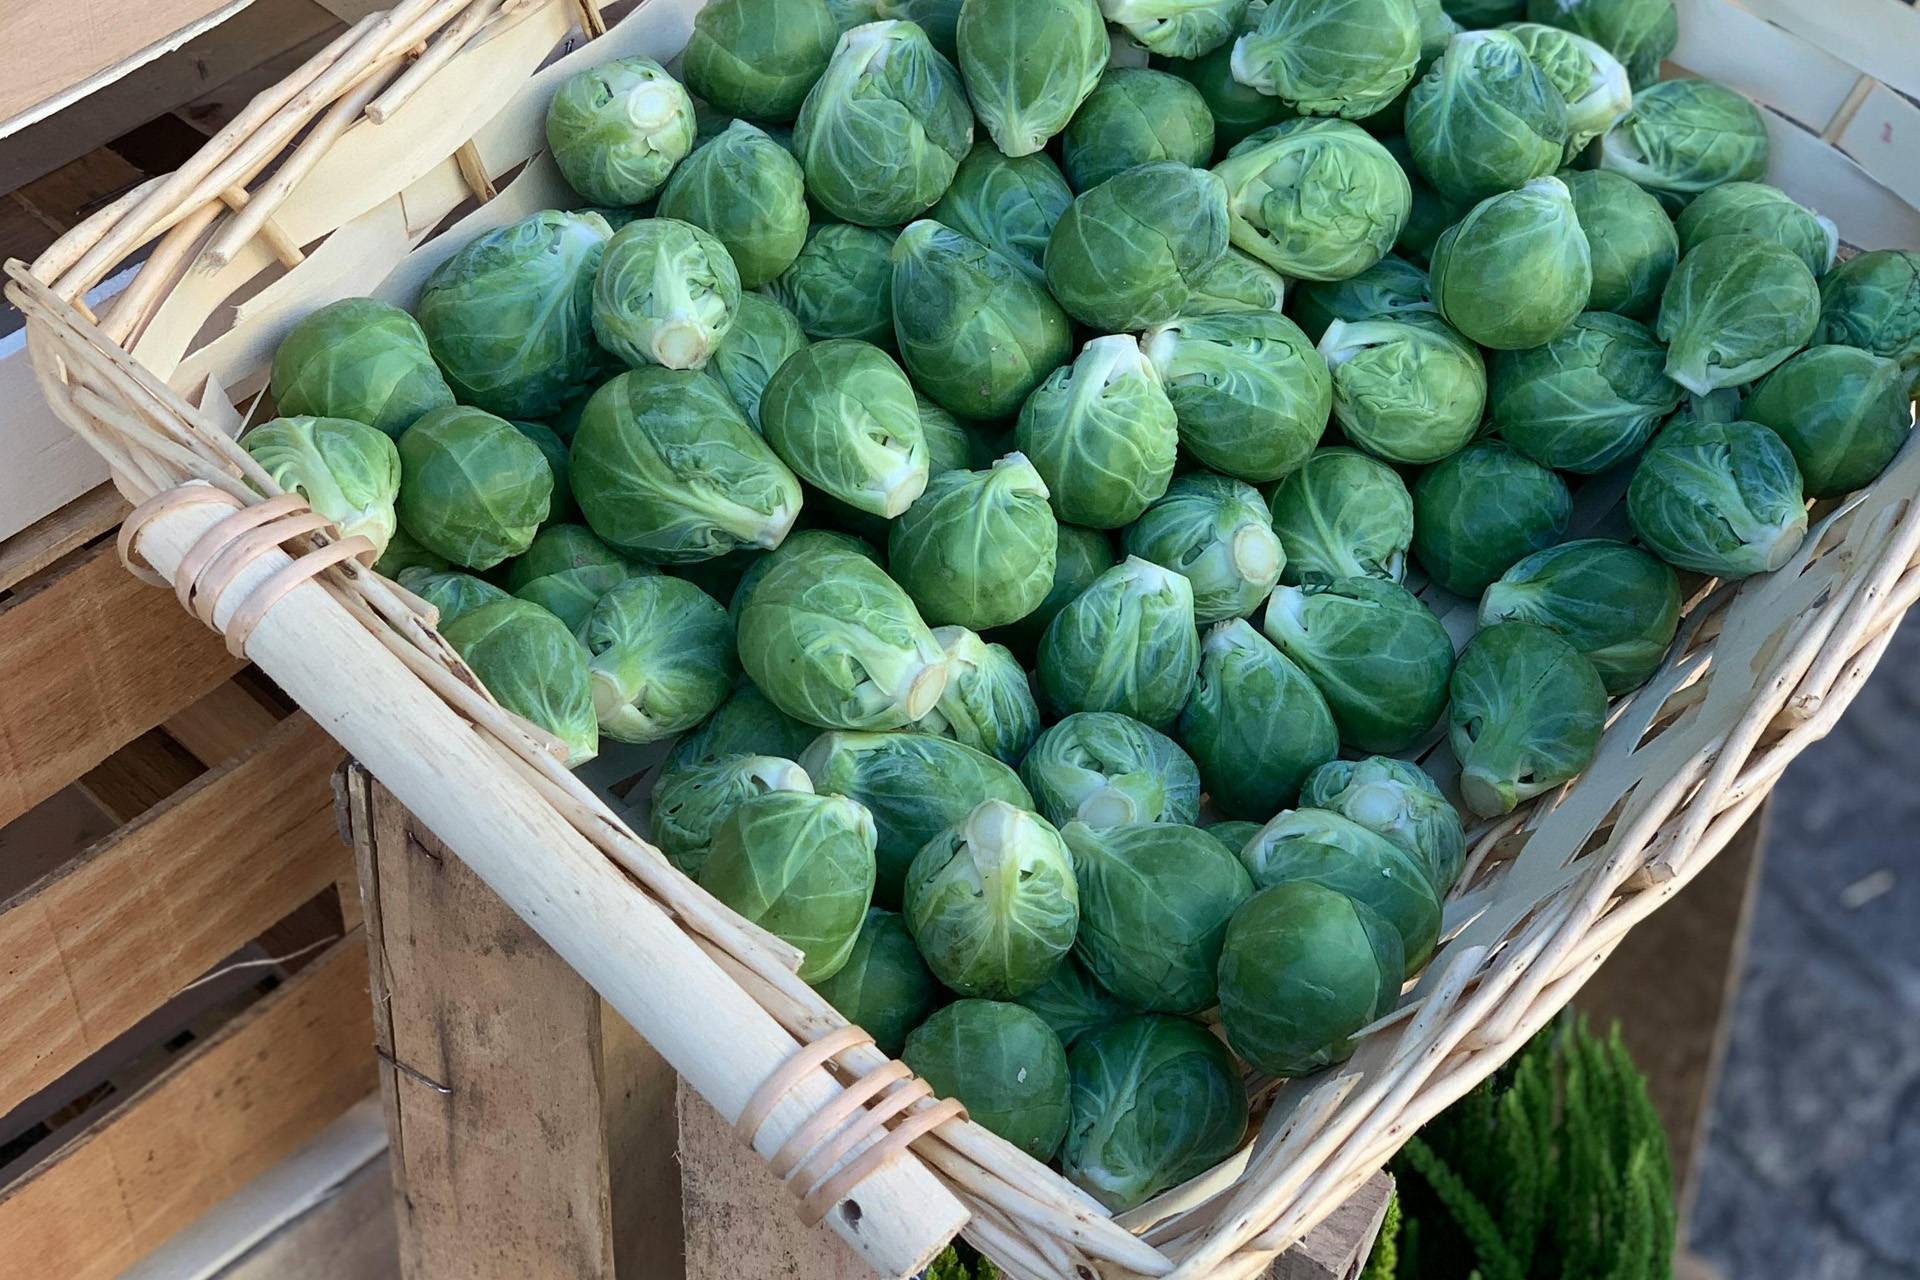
(341, 182)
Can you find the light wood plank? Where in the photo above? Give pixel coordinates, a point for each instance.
(350, 1236)
(61, 533)
(221, 725)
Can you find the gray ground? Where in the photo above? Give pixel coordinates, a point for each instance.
(1813, 1172)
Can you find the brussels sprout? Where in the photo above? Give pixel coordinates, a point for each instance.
(1873, 302)
(882, 131)
(1342, 515)
(666, 468)
(1479, 512)
(1302, 968)
(1127, 644)
(988, 704)
(347, 471)
(1736, 307)
(404, 552)
(746, 724)
(1588, 77)
(1238, 282)
(1685, 136)
(1003, 1063)
(666, 294)
(1178, 28)
(1028, 65)
(885, 987)
(1640, 33)
(1476, 15)
(745, 190)
(1102, 769)
(1399, 801)
(940, 19)
(841, 285)
(1587, 400)
(1102, 434)
(662, 657)
(1754, 208)
(1379, 657)
(1250, 395)
(1409, 390)
(1133, 117)
(1387, 290)
(842, 415)
(1237, 109)
(1429, 213)
(1155, 899)
(566, 570)
(800, 866)
(1720, 498)
(832, 640)
(1315, 199)
(449, 591)
(1843, 412)
(617, 130)
(1485, 118)
(950, 446)
(689, 804)
(1072, 1003)
(1615, 604)
(758, 58)
(1631, 241)
(992, 902)
(1127, 253)
(977, 548)
(533, 667)
(1218, 534)
(1008, 205)
(560, 506)
(471, 487)
(1331, 57)
(1325, 848)
(1156, 1101)
(975, 332)
(1080, 556)
(763, 335)
(361, 359)
(1531, 234)
(1526, 716)
(1233, 836)
(1255, 723)
(509, 317)
(800, 541)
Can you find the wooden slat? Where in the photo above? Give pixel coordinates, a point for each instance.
(265, 1083)
(348, 1236)
(91, 949)
(65, 531)
(1877, 36)
(87, 664)
(140, 775)
(221, 725)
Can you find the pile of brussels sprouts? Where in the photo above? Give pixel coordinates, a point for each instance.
(993, 462)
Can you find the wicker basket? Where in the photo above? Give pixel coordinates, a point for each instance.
(346, 179)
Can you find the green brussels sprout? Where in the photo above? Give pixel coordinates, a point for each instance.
(1481, 511)
(746, 724)
(843, 416)
(663, 657)
(1342, 515)
(471, 487)
(1429, 213)
(801, 540)
(1233, 835)
(1685, 136)
(1399, 801)
(1873, 302)
(1238, 282)
(1237, 109)
(1028, 65)
(882, 131)
(1315, 199)
(617, 130)
(566, 570)
(1843, 412)
(1256, 725)
(974, 331)
(1379, 657)
(1587, 400)
(1736, 307)
(1331, 57)
(758, 58)
(1156, 1101)
(940, 19)
(1218, 534)
(950, 446)
(1302, 968)
(1135, 116)
(745, 190)
(1485, 118)
(800, 866)
(1072, 1003)
(1531, 234)
(404, 552)
(1178, 28)
(1589, 78)
(347, 471)
(1127, 253)
(361, 359)
(1328, 849)
(977, 547)
(1127, 644)
(689, 804)
(666, 294)
(1387, 290)
(1155, 899)
(1475, 15)
(841, 285)
(1617, 605)
(1410, 390)
(988, 704)
(992, 902)
(884, 987)
(1102, 434)
(1719, 405)
(1526, 716)
(560, 506)
(1105, 770)
(1003, 1063)
(848, 14)
(1250, 395)
(763, 335)
(665, 468)
(509, 317)
(1754, 208)
(1080, 556)
(449, 591)
(1640, 33)
(1720, 498)
(1631, 241)
(1008, 205)
(532, 665)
